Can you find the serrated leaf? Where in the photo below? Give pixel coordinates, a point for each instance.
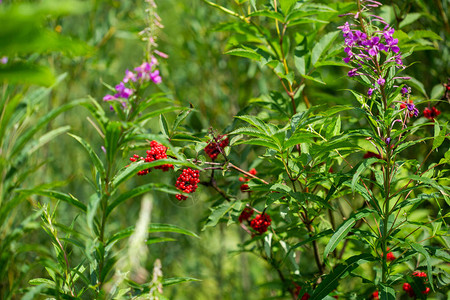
(247, 53)
(323, 45)
(260, 142)
(286, 5)
(180, 118)
(217, 213)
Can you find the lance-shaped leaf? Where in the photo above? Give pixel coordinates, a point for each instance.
(218, 212)
(131, 170)
(176, 280)
(419, 248)
(55, 195)
(322, 46)
(364, 165)
(152, 228)
(386, 292)
(93, 156)
(331, 281)
(344, 229)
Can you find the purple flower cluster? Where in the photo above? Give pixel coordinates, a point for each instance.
(144, 73)
(362, 48)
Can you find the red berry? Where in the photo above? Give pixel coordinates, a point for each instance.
(213, 149)
(390, 256)
(431, 113)
(260, 223)
(427, 290)
(375, 295)
(244, 187)
(187, 182)
(245, 214)
(157, 151)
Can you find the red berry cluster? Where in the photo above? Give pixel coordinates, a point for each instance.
(214, 148)
(245, 214)
(409, 289)
(187, 182)
(244, 187)
(431, 113)
(156, 152)
(260, 223)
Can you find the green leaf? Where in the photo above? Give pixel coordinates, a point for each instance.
(152, 228)
(91, 212)
(366, 163)
(286, 5)
(180, 118)
(131, 170)
(217, 213)
(331, 281)
(27, 135)
(419, 248)
(55, 195)
(260, 142)
(164, 126)
(439, 136)
(409, 19)
(93, 156)
(322, 46)
(245, 52)
(268, 13)
(176, 280)
(386, 292)
(139, 191)
(344, 229)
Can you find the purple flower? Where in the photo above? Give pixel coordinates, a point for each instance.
(405, 90)
(412, 109)
(109, 98)
(4, 59)
(352, 72)
(370, 92)
(122, 91)
(345, 29)
(155, 77)
(129, 76)
(374, 45)
(381, 81)
(388, 141)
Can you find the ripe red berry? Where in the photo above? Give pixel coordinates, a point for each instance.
(408, 289)
(157, 151)
(187, 182)
(244, 187)
(375, 295)
(419, 274)
(390, 256)
(260, 223)
(215, 147)
(427, 290)
(431, 113)
(245, 214)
